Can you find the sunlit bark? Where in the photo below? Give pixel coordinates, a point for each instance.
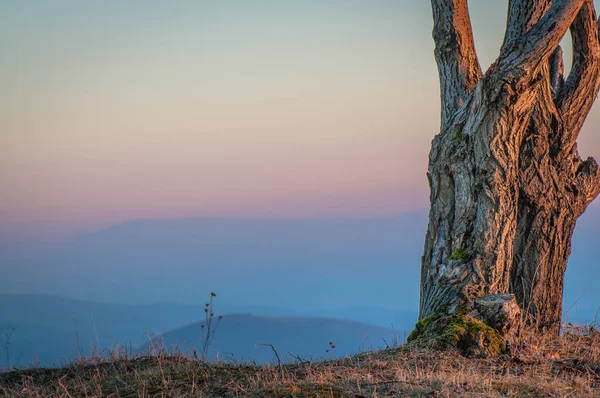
(507, 183)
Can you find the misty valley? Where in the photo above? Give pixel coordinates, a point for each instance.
(295, 284)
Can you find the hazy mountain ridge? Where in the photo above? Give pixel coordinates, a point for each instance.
(303, 262)
(240, 337)
(52, 329)
(362, 270)
(308, 265)
(71, 325)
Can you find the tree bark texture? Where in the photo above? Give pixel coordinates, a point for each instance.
(507, 182)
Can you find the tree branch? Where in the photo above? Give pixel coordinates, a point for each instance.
(589, 180)
(522, 16)
(521, 56)
(576, 98)
(557, 71)
(455, 54)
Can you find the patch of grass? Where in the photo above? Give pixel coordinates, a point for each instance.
(540, 366)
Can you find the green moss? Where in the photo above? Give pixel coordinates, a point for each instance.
(422, 327)
(459, 330)
(459, 254)
(465, 333)
(458, 133)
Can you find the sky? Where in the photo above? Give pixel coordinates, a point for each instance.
(120, 110)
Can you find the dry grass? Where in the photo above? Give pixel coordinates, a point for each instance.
(569, 366)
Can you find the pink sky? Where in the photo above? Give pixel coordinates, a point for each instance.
(110, 111)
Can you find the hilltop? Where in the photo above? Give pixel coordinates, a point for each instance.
(569, 366)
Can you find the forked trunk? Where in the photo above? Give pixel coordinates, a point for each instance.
(507, 183)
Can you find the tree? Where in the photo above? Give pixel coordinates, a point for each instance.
(507, 182)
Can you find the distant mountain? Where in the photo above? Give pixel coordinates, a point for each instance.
(362, 270)
(56, 311)
(50, 330)
(240, 337)
(380, 316)
(302, 265)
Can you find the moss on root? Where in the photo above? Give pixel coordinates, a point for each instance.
(469, 335)
(422, 327)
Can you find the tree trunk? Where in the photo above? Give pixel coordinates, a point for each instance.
(507, 183)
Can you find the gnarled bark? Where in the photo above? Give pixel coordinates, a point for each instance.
(507, 184)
